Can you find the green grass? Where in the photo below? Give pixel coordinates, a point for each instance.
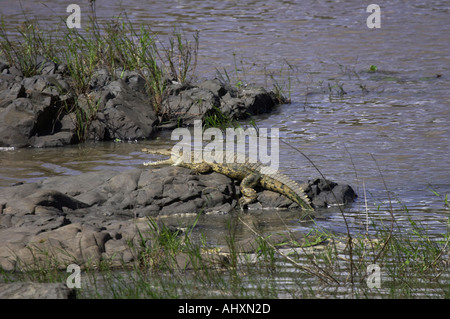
(216, 118)
(170, 263)
(116, 46)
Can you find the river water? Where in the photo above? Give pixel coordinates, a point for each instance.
(386, 133)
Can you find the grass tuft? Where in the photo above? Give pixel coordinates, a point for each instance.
(116, 46)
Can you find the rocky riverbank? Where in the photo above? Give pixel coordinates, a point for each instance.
(104, 215)
(95, 216)
(44, 110)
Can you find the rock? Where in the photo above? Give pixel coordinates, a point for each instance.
(271, 199)
(214, 86)
(34, 290)
(45, 110)
(39, 222)
(79, 185)
(3, 66)
(325, 193)
(195, 102)
(78, 243)
(135, 81)
(128, 115)
(43, 198)
(45, 66)
(100, 78)
(123, 183)
(95, 216)
(30, 111)
(17, 192)
(44, 84)
(17, 122)
(39, 111)
(11, 91)
(252, 102)
(54, 140)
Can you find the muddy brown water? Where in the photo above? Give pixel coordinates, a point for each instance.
(394, 121)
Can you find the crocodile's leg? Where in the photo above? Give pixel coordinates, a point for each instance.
(201, 168)
(248, 193)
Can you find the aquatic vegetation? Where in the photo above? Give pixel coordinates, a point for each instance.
(116, 46)
(181, 263)
(216, 118)
(373, 68)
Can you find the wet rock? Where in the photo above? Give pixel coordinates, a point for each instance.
(325, 193)
(214, 86)
(54, 140)
(30, 109)
(189, 105)
(34, 203)
(195, 102)
(271, 199)
(128, 115)
(95, 216)
(44, 110)
(252, 102)
(17, 121)
(34, 290)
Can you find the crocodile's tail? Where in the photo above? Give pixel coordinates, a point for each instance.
(282, 184)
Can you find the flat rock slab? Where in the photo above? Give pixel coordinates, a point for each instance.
(98, 215)
(34, 290)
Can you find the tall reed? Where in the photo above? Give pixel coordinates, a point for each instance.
(117, 46)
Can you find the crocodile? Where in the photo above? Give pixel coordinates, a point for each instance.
(249, 174)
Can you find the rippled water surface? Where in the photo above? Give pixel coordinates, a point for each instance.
(373, 130)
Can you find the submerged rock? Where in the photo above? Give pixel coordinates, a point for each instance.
(98, 215)
(35, 290)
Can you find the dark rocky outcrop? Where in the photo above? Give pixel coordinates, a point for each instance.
(95, 216)
(325, 193)
(44, 110)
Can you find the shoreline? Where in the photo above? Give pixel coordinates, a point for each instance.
(93, 214)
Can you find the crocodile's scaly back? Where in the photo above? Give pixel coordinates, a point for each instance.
(239, 166)
(249, 172)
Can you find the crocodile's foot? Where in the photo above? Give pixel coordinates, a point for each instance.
(244, 201)
(249, 196)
